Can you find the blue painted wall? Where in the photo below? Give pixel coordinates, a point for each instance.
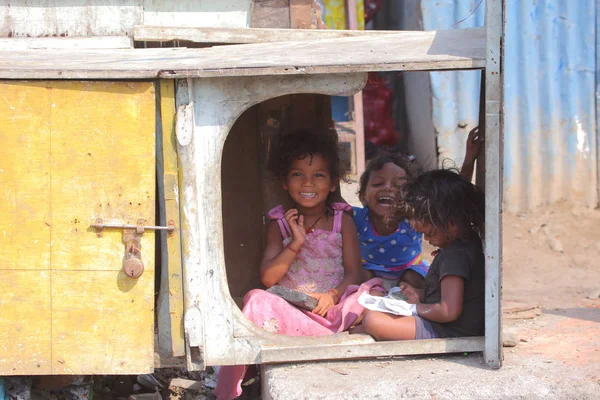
(549, 93)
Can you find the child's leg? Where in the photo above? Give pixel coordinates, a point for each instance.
(413, 278)
(383, 326)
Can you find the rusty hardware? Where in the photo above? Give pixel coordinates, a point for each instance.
(133, 266)
(99, 226)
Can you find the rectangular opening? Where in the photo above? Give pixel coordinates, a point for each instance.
(249, 192)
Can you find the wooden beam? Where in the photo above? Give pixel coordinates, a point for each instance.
(357, 99)
(351, 16)
(170, 298)
(280, 354)
(494, 152)
(403, 51)
(242, 35)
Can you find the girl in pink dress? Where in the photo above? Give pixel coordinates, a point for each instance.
(311, 247)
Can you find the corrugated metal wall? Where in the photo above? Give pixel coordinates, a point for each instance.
(550, 83)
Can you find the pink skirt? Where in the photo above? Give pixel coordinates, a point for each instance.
(274, 314)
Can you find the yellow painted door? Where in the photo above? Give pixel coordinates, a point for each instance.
(73, 152)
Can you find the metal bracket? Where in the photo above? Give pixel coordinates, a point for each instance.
(133, 265)
(139, 228)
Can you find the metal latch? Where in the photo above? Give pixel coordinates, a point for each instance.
(133, 266)
(139, 228)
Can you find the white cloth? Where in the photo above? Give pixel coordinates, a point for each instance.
(387, 304)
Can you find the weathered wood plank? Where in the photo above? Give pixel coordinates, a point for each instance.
(279, 354)
(25, 220)
(404, 51)
(213, 322)
(170, 297)
(103, 166)
(25, 325)
(221, 13)
(90, 42)
(46, 18)
(37, 18)
(494, 151)
(102, 323)
(243, 35)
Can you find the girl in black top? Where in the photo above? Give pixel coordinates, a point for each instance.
(449, 211)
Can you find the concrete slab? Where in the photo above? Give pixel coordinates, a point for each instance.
(557, 357)
(454, 377)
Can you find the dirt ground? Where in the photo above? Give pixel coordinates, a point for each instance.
(551, 273)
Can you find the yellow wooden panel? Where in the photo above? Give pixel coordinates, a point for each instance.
(102, 323)
(103, 166)
(167, 110)
(24, 176)
(73, 152)
(170, 303)
(24, 322)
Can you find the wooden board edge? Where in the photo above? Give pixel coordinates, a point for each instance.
(281, 354)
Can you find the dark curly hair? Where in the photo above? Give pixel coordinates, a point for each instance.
(299, 144)
(441, 197)
(409, 166)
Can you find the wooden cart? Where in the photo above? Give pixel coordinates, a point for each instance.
(102, 148)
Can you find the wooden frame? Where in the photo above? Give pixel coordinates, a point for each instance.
(216, 86)
(494, 153)
(402, 51)
(213, 323)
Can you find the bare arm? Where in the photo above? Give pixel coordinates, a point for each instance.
(451, 305)
(351, 255)
(276, 259)
(474, 141)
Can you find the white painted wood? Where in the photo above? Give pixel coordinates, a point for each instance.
(37, 18)
(217, 103)
(243, 35)
(278, 354)
(494, 132)
(403, 51)
(206, 13)
(359, 129)
(41, 18)
(89, 42)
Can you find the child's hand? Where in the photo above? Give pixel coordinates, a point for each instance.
(413, 296)
(474, 141)
(296, 223)
(325, 302)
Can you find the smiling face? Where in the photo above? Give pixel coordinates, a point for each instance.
(309, 182)
(381, 188)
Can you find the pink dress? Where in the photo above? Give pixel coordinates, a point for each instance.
(317, 268)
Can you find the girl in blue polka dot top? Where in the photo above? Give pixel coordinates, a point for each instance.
(390, 248)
